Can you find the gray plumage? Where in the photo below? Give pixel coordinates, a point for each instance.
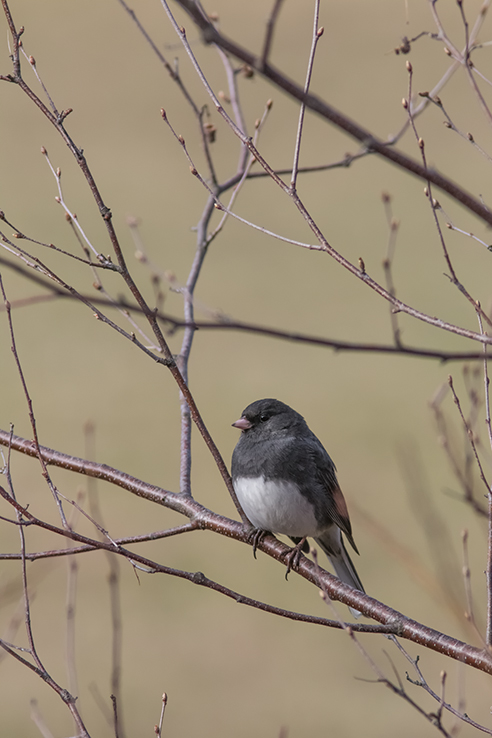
(286, 482)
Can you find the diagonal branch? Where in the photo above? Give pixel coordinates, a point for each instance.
(210, 35)
(397, 623)
(230, 324)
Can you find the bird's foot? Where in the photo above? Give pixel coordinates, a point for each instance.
(255, 537)
(294, 555)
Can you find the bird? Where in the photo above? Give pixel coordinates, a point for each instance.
(286, 483)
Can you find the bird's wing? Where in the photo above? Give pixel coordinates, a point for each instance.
(334, 501)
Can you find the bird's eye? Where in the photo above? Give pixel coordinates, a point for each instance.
(263, 417)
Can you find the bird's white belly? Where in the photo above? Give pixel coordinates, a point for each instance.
(276, 506)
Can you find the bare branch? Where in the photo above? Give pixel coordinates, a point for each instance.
(395, 622)
(338, 119)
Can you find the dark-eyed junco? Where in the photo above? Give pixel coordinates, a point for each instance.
(286, 483)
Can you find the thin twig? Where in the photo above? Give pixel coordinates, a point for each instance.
(169, 69)
(113, 584)
(444, 438)
(245, 173)
(317, 33)
(272, 19)
(71, 601)
(470, 613)
(388, 264)
(453, 127)
(455, 65)
(434, 204)
(117, 542)
(158, 728)
(468, 64)
(116, 718)
(488, 572)
(422, 682)
(32, 419)
(469, 433)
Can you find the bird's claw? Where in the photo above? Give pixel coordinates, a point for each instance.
(255, 536)
(293, 557)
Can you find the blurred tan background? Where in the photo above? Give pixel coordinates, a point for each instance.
(230, 670)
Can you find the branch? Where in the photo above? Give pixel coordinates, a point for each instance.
(227, 323)
(57, 120)
(210, 35)
(395, 622)
(323, 244)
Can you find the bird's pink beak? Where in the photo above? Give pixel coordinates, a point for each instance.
(243, 424)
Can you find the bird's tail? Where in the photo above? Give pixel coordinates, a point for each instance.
(332, 544)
